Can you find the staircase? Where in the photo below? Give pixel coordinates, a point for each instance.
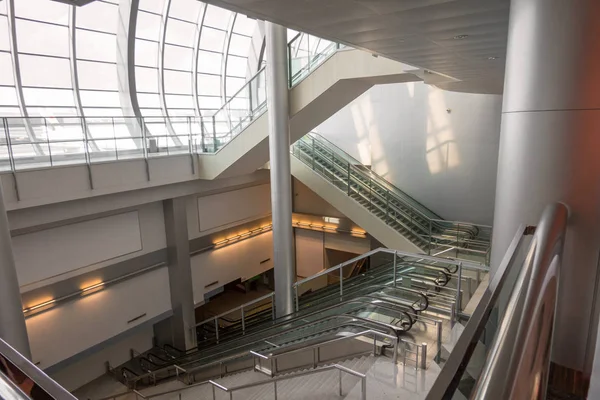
(391, 216)
(235, 140)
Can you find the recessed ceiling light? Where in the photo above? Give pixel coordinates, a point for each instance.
(460, 37)
(493, 58)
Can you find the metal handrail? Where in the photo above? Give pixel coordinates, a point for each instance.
(243, 306)
(518, 361)
(504, 371)
(274, 381)
(376, 335)
(34, 373)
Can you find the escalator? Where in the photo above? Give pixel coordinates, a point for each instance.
(424, 229)
(370, 301)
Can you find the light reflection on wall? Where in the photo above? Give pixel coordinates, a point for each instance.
(442, 152)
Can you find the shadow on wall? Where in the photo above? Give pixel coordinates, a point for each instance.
(438, 146)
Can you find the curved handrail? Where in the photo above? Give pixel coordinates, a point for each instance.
(518, 362)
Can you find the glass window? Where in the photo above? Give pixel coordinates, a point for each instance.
(155, 6)
(99, 99)
(93, 75)
(179, 101)
(209, 62)
(212, 39)
(207, 102)
(232, 85)
(10, 111)
(102, 112)
(146, 53)
(244, 25)
(48, 97)
(148, 100)
(6, 77)
(151, 112)
(185, 9)
(179, 32)
(43, 10)
(217, 17)
(40, 38)
(237, 66)
(178, 58)
(96, 46)
(8, 97)
(98, 16)
(45, 71)
(239, 45)
(209, 84)
(51, 112)
(146, 79)
(148, 26)
(178, 82)
(4, 43)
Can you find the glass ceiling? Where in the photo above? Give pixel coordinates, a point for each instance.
(185, 58)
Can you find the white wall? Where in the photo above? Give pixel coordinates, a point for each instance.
(238, 260)
(309, 252)
(75, 326)
(57, 253)
(91, 367)
(207, 214)
(445, 160)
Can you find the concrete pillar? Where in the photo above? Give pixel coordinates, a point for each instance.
(183, 320)
(550, 151)
(12, 321)
(279, 157)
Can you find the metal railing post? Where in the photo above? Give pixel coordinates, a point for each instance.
(243, 321)
(363, 388)
(348, 178)
(313, 153)
(217, 328)
(48, 142)
(458, 289)
(430, 237)
(417, 358)
(395, 257)
(387, 206)
(273, 306)
(214, 123)
(439, 340)
(395, 356)
(341, 282)
(340, 381)
(452, 314)
(296, 298)
(213, 392)
(274, 389)
(424, 356)
(374, 345)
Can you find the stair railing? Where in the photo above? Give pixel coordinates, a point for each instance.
(274, 381)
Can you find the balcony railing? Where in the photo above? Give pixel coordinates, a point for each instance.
(60, 141)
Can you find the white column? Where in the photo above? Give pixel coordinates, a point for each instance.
(279, 157)
(12, 321)
(550, 151)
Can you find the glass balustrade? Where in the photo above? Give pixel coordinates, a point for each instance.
(39, 142)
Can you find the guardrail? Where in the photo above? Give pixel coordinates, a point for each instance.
(274, 381)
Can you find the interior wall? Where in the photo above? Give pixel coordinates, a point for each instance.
(308, 202)
(439, 147)
(76, 326)
(54, 253)
(244, 260)
(309, 252)
(207, 214)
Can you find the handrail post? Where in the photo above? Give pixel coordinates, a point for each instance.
(387, 206)
(374, 345)
(395, 257)
(243, 320)
(217, 328)
(296, 297)
(395, 356)
(452, 314)
(430, 237)
(341, 282)
(424, 356)
(313, 153)
(363, 388)
(273, 306)
(458, 289)
(214, 123)
(439, 340)
(340, 381)
(417, 358)
(348, 177)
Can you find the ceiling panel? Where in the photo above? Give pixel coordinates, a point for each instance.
(463, 39)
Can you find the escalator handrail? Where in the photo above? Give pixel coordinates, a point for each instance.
(504, 370)
(260, 339)
(34, 373)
